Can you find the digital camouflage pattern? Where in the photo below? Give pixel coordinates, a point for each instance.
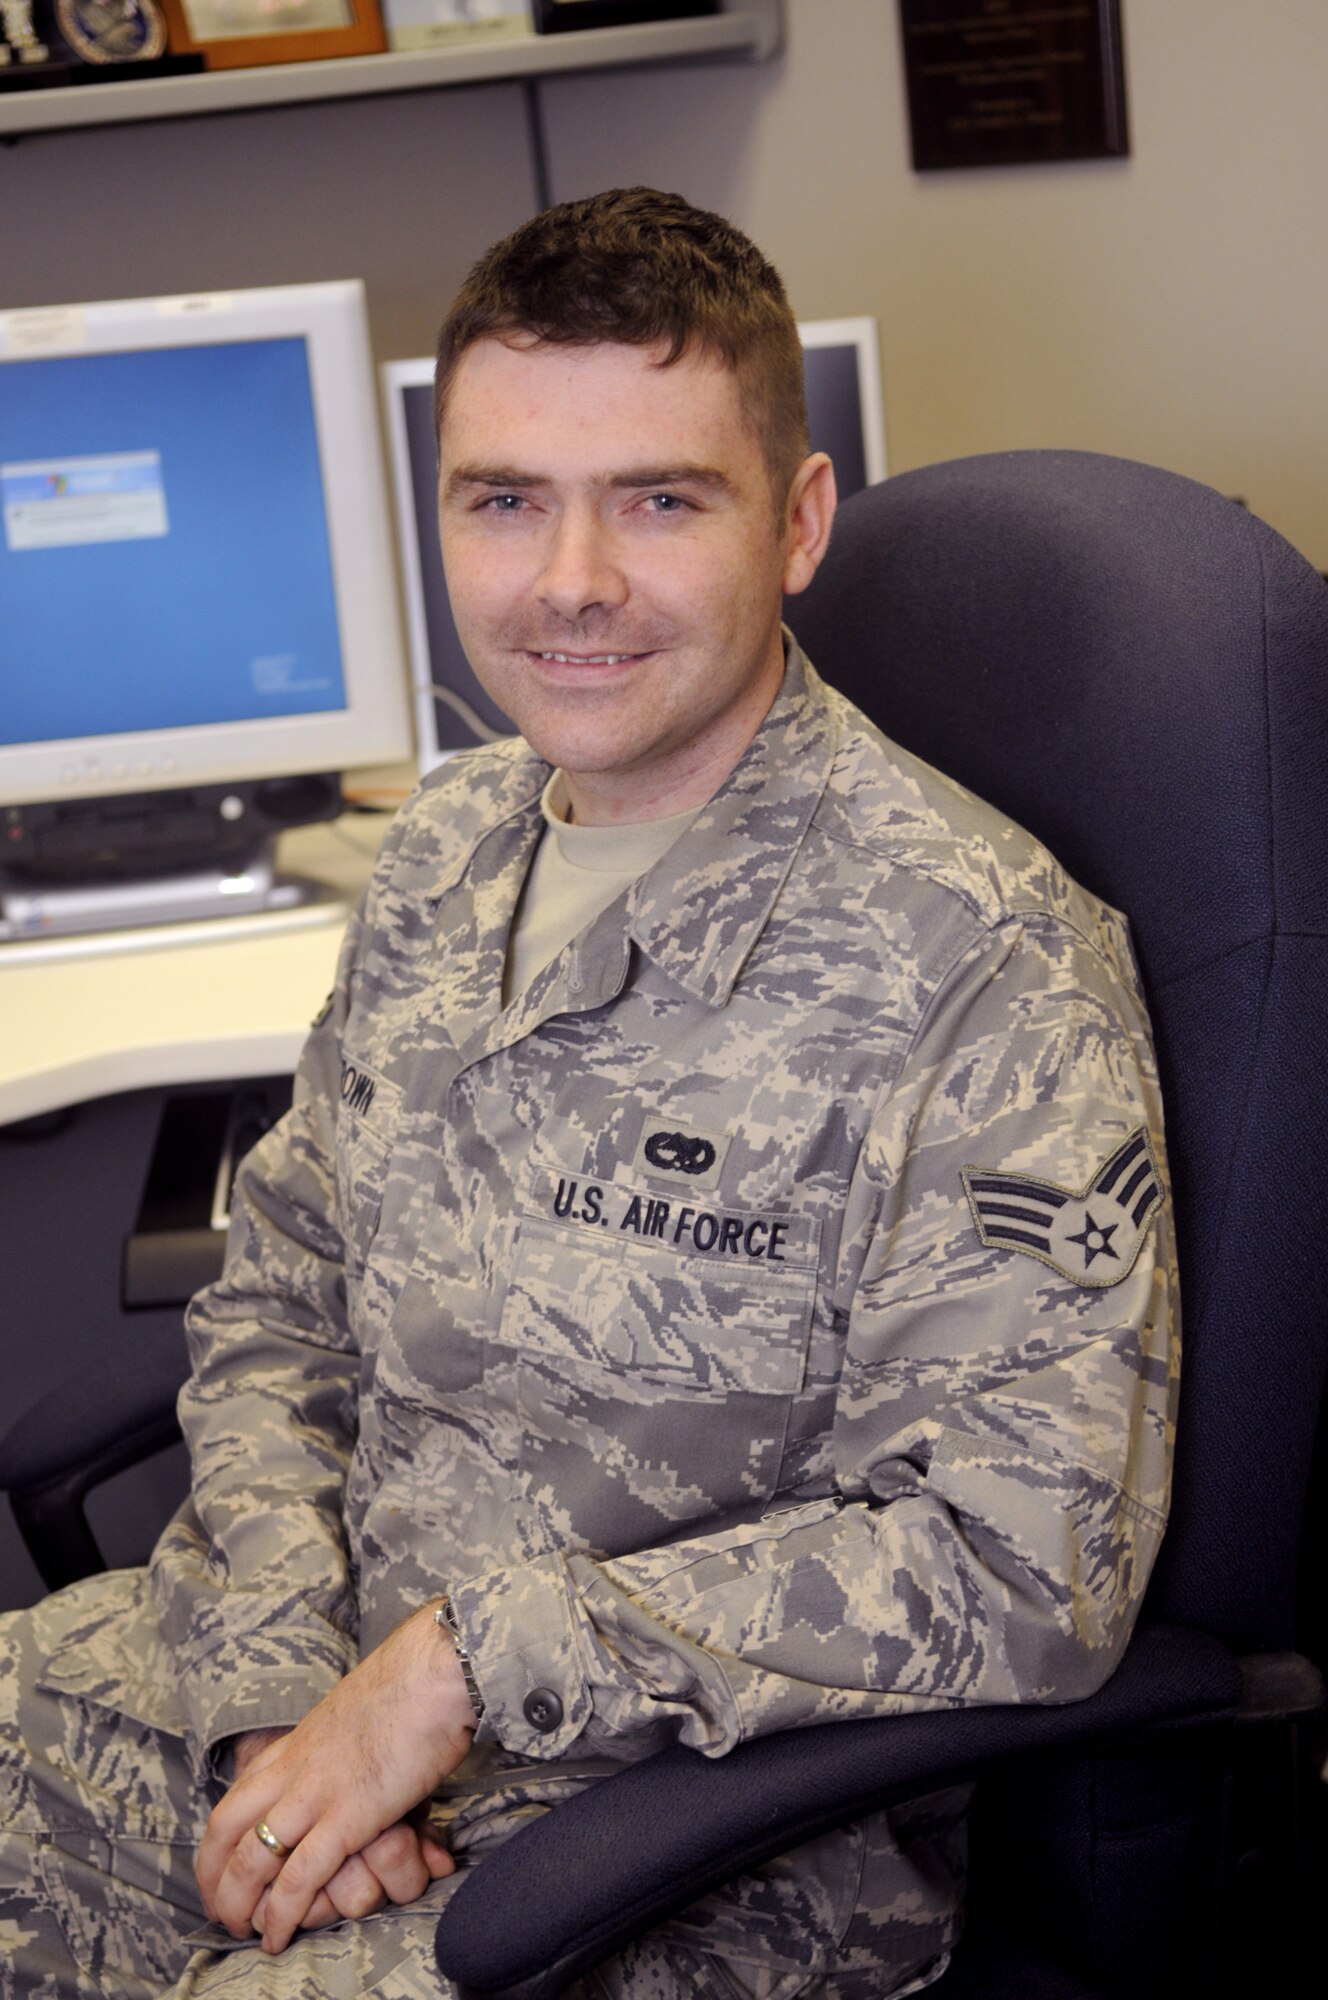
(650, 1318)
(99, 1814)
(100, 1819)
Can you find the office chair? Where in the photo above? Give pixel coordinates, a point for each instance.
(1137, 670)
(138, 1265)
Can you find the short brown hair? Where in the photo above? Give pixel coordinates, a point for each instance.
(639, 267)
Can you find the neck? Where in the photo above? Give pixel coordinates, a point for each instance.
(670, 785)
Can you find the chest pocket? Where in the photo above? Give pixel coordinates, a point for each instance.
(654, 1377)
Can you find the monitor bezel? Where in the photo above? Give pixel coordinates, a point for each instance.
(859, 333)
(373, 727)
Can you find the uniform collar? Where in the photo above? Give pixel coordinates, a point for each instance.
(700, 909)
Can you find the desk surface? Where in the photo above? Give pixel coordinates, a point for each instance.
(190, 1004)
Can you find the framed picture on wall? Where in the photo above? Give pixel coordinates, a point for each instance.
(244, 34)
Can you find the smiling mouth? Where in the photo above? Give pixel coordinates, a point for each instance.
(586, 659)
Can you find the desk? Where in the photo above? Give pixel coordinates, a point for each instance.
(189, 1003)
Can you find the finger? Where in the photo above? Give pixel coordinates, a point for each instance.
(322, 1911)
(251, 1868)
(309, 1868)
(433, 1843)
(230, 1830)
(395, 1857)
(355, 1889)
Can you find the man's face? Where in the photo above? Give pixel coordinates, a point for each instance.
(615, 559)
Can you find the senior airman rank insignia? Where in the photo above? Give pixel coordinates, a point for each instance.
(1092, 1237)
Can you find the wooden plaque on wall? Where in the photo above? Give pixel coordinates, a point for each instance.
(1011, 82)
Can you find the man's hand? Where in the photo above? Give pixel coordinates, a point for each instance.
(395, 1868)
(339, 1791)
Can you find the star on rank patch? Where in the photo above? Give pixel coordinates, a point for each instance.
(1091, 1237)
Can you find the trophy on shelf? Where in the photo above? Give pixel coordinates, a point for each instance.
(19, 41)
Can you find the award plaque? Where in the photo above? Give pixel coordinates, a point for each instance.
(244, 34)
(112, 31)
(1012, 82)
(63, 42)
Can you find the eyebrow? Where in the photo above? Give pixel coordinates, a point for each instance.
(631, 478)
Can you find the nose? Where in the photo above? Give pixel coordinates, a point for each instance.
(581, 573)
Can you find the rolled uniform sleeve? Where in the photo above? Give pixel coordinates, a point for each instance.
(1003, 1422)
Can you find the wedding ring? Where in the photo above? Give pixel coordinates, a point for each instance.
(270, 1841)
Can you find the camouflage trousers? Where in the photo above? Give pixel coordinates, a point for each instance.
(100, 1819)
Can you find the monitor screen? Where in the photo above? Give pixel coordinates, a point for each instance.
(136, 489)
(841, 373)
(195, 568)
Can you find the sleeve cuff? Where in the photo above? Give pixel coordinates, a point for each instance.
(519, 1627)
(242, 1686)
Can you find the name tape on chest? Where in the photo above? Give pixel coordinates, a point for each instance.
(1092, 1236)
(641, 1215)
(368, 1097)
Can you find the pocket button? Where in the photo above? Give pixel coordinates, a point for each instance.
(542, 1710)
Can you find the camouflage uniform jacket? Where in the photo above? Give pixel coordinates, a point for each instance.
(677, 1320)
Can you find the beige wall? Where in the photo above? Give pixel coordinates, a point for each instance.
(401, 191)
(1172, 306)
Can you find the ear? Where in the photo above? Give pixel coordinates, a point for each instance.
(810, 512)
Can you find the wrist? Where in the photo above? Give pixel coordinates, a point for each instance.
(244, 1748)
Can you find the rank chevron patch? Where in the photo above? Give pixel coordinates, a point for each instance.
(1092, 1238)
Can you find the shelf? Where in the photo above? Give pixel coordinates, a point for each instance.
(748, 29)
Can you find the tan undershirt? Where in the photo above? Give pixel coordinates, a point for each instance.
(576, 873)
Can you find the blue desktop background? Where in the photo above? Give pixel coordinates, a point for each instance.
(164, 632)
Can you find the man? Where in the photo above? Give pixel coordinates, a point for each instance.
(695, 1292)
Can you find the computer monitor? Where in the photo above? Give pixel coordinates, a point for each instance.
(199, 628)
(843, 380)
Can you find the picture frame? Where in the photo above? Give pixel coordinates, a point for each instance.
(248, 34)
(442, 24)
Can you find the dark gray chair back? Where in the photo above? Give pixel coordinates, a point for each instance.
(1137, 670)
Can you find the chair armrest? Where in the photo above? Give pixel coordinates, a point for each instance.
(104, 1420)
(634, 1849)
(1278, 1687)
